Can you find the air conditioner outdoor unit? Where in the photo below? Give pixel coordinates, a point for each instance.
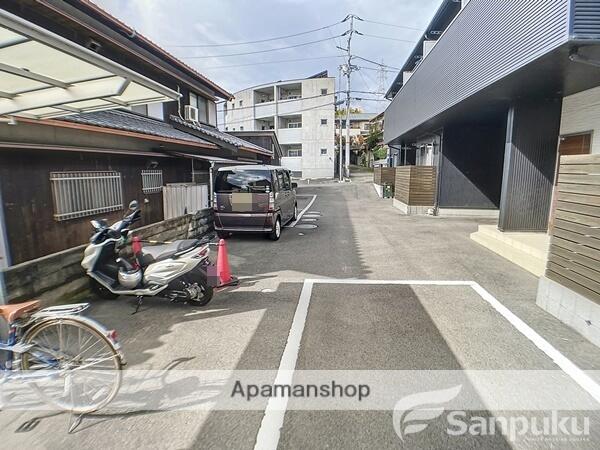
(190, 113)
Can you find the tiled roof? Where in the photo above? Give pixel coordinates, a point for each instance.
(215, 133)
(129, 121)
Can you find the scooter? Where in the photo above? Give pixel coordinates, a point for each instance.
(176, 271)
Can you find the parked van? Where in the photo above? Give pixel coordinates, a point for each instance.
(254, 198)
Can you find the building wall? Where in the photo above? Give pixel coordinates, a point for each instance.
(581, 114)
(487, 41)
(31, 229)
(471, 168)
(312, 136)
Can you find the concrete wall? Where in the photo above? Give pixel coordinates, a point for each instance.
(59, 278)
(312, 107)
(581, 114)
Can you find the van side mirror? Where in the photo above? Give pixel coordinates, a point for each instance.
(294, 185)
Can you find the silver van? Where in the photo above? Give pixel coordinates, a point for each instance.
(254, 198)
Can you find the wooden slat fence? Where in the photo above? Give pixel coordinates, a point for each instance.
(574, 259)
(416, 185)
(384, 175)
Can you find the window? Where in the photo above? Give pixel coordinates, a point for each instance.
(323, 91)
(294, 152)
(241, 103)
(80, 194)
(323, 121)
(201, 103)
(226, 128)
(294, 125)
(286, 180)
(323, 151)
(240, 180)
(280, 181)
(152, 181)
(242, 128)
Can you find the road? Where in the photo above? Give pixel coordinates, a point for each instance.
(426, 324)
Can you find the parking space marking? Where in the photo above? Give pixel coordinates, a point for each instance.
(272, 422)
(293, 224)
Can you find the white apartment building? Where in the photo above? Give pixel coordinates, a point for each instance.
(302, 114)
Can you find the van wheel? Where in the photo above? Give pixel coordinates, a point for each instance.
(276, 233)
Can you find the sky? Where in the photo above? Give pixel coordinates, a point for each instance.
(209, 22)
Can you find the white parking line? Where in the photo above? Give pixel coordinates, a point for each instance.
(293, 224)
(272, 422)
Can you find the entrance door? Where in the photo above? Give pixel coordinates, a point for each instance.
(576, 144)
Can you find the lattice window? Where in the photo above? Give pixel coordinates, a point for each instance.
(152, 181)
(80, 194)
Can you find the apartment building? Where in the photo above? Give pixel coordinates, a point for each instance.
(302, 114)
(501, 101)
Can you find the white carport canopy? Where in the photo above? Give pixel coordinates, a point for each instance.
(43, 75)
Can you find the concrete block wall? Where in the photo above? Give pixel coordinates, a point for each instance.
(59, 277)
(571, 308)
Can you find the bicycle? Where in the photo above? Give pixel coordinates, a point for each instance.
(72, 362)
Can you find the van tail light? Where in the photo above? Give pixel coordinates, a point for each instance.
(271, 202)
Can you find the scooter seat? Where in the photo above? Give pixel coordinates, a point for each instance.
(154, 253)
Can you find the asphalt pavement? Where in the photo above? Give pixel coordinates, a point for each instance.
(346, 327)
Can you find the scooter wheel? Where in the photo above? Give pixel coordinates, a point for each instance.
(101, 292)
(207, 292)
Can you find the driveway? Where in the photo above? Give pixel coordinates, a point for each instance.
(410, 318)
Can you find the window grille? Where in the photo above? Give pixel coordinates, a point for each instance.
(152, 181)
(80, 194)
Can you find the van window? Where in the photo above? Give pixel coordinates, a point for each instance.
(287, 181)
(280, 181)
(239, 180)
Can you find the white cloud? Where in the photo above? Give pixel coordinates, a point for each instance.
(187, 22)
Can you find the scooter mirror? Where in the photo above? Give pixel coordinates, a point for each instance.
(133, 206)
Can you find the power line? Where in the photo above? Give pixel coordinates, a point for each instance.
(393, 25)
(259, 51)
(257, 41)
(286, 101)
(376, 63)
(379, 69)
(271, 62)
(389, 38)
(227, 123)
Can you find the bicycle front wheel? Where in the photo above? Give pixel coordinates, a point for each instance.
(75, 366)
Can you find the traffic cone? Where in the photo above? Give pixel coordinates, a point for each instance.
(223, 270)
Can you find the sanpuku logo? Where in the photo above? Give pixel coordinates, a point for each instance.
(413, 413)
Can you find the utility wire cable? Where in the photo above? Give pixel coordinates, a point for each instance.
(393, 25)
(231, 44)
(259, 51)
(272, 62)
(389, 38)
(324, 105)
(376, 63)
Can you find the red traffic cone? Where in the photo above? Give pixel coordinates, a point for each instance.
(223, 270)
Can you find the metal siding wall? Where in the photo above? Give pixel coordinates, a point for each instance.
(488, 40)
(471, 170)
(529, 166)
(585, 19)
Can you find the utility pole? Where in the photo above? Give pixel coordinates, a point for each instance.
(349, 68)
(341, 160)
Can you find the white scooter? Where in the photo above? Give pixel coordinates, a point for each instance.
(176, 271)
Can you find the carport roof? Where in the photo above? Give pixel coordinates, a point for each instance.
(43, 75)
